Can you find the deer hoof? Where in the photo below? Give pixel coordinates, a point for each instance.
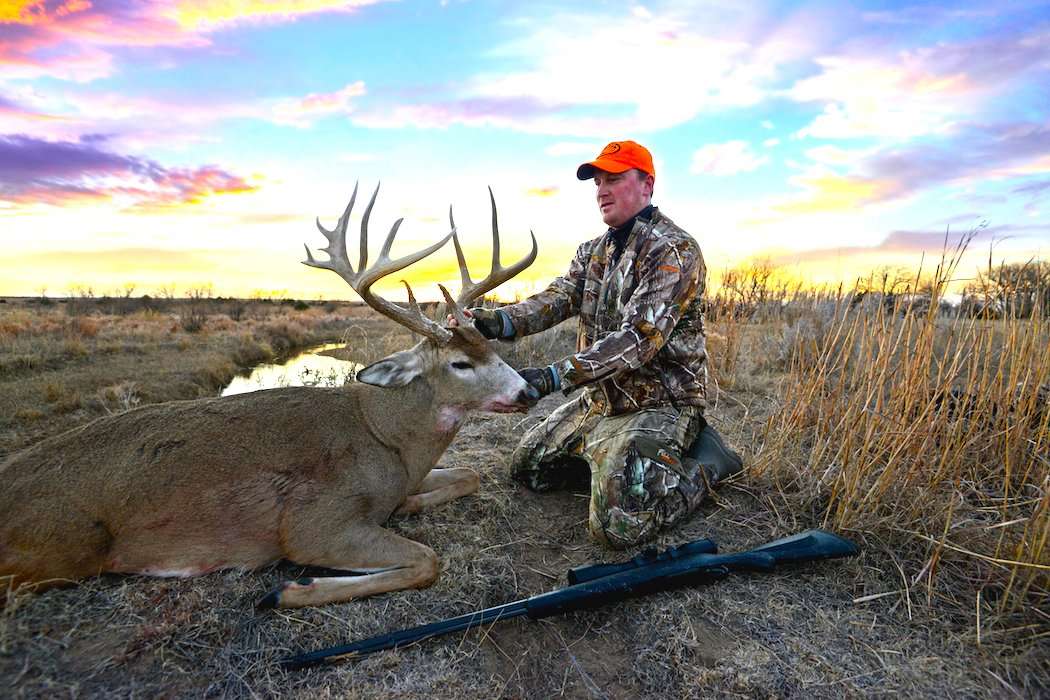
(269, 601)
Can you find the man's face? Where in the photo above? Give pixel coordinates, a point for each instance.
(622, 195)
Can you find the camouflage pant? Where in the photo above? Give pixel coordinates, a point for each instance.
(635, 490)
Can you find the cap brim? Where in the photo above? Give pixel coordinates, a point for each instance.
(586, 171)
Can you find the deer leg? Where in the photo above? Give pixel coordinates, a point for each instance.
(393, 563)
(440, 486)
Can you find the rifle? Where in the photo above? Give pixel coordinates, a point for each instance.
(593, 585)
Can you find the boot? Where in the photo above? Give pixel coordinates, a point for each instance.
(709, 452)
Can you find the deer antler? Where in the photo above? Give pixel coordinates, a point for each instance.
(362, 280)
(498, 274)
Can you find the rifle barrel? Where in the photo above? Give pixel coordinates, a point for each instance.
(406, 636)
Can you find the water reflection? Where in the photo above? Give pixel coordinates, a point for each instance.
(309, 368)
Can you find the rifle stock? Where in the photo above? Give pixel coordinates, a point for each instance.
(687, 564)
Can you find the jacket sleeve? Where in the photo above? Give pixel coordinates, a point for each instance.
(670, 277)
(559, 301)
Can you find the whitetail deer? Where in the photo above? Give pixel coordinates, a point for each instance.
(305, 474)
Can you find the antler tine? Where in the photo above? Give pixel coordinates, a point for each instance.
(498, 274)
(454, 308)
(464, 276)
(495, 232)
(362, 280)
(338, 261)
(363, 259)
(412, 299)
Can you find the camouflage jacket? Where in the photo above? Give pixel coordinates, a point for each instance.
(641, 336)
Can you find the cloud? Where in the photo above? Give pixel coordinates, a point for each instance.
(973, 153)
(548, 191)
(34, 171)
(925, 15)
(566, 80)
(829, 192)
(506, 112)
(835, 156)
(1036, 188)
(563, 79)
(896, 244)
(11, 110)
(907, 246)
(729, 158)
(969, 154)
(302, 112)
(137, 121)
(208, 14)
(72, 39)
(917, 91)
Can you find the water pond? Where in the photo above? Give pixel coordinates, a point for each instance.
(313, 367)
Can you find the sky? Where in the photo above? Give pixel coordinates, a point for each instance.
(178, 144)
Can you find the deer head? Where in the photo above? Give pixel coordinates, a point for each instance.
(459, 365)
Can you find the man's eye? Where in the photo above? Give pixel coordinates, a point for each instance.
(462, 365)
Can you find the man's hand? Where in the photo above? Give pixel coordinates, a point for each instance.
(543, 379)
(492, 323)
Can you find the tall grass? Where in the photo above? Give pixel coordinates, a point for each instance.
(926, 431)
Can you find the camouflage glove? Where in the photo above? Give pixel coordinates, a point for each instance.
(493, 323)
(545, 380)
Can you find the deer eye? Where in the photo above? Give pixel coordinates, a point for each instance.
(462, 365)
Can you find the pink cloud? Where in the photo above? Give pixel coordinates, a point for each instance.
(303, 111)
(68, 39)
(136, 122)
(34, 171)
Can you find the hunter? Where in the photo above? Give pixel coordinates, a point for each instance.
(639, 371)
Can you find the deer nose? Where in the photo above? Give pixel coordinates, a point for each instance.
(529, 395)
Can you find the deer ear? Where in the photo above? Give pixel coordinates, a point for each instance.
(395, 370)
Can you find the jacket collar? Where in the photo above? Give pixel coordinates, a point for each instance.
(624, 230)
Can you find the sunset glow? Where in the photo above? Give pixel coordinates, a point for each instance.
(181, 143)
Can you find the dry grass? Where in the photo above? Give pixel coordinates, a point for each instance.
(865, 627)
(930, 434)
(57, 371)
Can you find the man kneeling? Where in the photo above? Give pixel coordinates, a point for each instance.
(640, 362)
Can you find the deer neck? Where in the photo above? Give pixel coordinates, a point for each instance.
(412, 422)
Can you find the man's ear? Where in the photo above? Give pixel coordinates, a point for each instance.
(395, 370)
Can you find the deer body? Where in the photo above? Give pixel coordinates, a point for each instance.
(300, 473)
(123, 485)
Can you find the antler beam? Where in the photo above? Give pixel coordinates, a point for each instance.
(362, 280)
(498, 274)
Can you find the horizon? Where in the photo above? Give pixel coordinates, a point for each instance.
(193, 142)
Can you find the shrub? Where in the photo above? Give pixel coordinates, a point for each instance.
(29, 415)
(284, 335)
(53, 391)
(83, 326)
(74, 348)
(250, 351)
(119, 397)
(67, 403)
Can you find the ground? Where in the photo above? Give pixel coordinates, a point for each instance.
(816, 630)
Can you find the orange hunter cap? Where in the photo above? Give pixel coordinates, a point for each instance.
(619, 157)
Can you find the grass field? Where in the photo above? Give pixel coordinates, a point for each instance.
(923, 438)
